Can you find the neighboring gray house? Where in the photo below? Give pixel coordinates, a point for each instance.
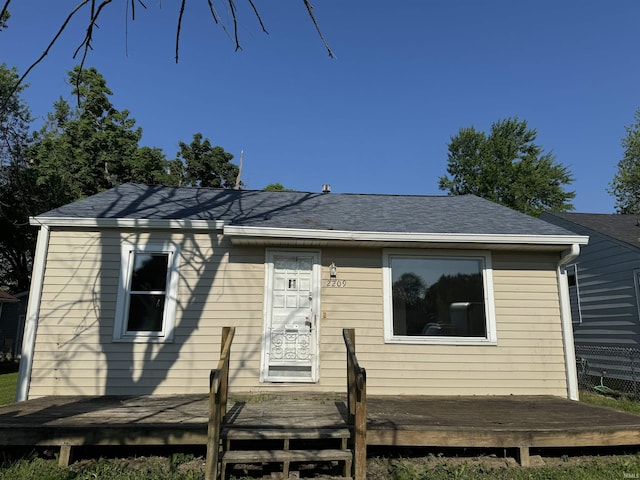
(605, 290)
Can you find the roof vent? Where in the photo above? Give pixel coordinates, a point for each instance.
(326, 188)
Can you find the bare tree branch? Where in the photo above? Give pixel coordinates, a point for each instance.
(255, 10)
(4, 8)
(235, 24)
(313, 18)
(45, 53)
(93, 18)
(126, 22)
(182, 5)
(126, 26)
(216, 19)
(86, 44)
(214, 14)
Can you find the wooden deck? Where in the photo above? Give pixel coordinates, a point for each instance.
(487, 422)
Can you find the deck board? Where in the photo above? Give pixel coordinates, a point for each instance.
(496, 421)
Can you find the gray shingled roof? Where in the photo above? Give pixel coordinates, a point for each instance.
(625, 228)
(348, 212)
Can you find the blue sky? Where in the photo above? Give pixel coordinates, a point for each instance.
(376, 119)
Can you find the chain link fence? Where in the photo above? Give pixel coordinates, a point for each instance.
(609, 370)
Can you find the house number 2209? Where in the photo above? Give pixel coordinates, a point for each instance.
(334, 282)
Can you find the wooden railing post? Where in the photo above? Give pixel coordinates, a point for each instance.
(218, 394)
(213, 428)
(351, 376)
(224, 380)
(357, 405)
(360, 431)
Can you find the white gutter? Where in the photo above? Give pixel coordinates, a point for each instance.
(567, 257)
(300, 233)
(308, 234)
(147, 223)
(33, 309)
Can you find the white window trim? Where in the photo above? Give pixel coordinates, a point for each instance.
(487, 281)
(636, 280)
(573, 268)
(120, 334)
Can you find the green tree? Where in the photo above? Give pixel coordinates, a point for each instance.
(84, 150)
(19, 195)
(276, 187)
(507, 167)
(206, 165)
(625, 186)
(15, 118)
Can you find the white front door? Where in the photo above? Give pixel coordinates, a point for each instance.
(290, 347)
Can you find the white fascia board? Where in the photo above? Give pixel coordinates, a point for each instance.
(403, 237)
(148, 223)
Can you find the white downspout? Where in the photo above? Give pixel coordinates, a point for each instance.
(33, 309)
(567, 257)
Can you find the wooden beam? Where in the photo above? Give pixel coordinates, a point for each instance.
(407, 436)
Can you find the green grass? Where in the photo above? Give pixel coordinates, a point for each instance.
(593, 468)
(619, 403)
(8, 385)
(143, 468)
(181, 467)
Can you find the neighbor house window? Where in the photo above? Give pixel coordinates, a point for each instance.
(438, 298)
(147, 295)
(574, 293)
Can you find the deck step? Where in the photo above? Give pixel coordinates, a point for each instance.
(232, 433)
(286, 457)
(252, 456)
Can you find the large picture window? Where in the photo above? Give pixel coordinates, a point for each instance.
(438, 298)
(147, 294)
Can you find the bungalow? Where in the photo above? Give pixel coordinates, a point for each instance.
(448, 294)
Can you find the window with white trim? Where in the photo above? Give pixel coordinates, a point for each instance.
(574, 293)
(146, 305)
(444, 297)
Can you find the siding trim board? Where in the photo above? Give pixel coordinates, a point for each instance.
(33, 313)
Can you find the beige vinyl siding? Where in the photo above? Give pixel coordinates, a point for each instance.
(528, 358)
(221, 284)
(75, 353)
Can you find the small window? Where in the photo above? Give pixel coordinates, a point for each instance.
(574, 293)
(147, 294)
(444, 298)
